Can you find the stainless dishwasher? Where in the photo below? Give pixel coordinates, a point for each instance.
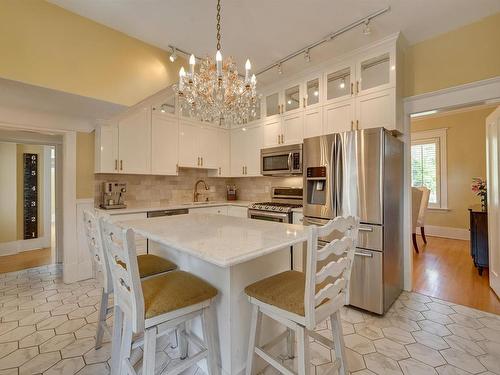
(160, 213)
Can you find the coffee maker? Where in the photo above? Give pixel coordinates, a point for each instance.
(113, 195)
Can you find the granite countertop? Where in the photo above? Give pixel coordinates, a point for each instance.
(221, 240)
(174, 206)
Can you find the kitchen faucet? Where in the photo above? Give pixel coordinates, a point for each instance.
(195, 192)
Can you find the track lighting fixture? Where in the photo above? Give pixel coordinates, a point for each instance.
(307, 56)
(366, 28)
(280, 69)
(173, 55)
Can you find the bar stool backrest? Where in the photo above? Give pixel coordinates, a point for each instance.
(94, 240)
(119, 244)
(326, 289)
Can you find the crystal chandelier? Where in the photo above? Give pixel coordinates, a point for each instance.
(216, 93)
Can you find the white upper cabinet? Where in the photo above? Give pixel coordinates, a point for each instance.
(313, 122)
(134, 138)
(245, 151)
(237, 146)
(164, 143)
(273, 104)
(340, 83)
(272, 131)
(377, 109)
(223, 153)
(375, 71)
(106, 149)
(208, 142)
(189, 155)
(293, 99)
(292, 126)
(338, 117)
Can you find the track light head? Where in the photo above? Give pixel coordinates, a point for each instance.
(173, 54)
(280, 69)
(366, 28)
(307, 56)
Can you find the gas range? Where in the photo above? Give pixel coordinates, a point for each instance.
(284, 200)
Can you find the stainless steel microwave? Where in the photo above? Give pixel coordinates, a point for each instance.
(282, 160)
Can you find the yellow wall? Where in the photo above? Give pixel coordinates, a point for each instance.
(468, 54)
(8, 218)
(84, 165)
(466, 158)
(45, 45)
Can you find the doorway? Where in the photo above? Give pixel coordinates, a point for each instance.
(30, 182)
(448, 155)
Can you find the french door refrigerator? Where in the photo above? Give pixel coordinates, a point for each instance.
(361, 173)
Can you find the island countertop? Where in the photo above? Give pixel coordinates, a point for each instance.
(221, 240)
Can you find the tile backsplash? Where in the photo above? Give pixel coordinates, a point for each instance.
(155, 191)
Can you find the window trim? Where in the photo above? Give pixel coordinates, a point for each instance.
(420, 137)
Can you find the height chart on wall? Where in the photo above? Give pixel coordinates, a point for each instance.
(30, 187)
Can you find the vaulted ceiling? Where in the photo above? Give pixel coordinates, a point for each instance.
(267, 30)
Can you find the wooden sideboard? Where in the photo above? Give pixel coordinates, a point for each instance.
(479, 237)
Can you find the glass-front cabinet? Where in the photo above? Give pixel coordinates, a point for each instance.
(375, 72)
(340, 83)
(292, 98)
(313, 92)
(273, 104)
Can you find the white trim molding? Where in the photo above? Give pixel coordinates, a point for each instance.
(15, 247)
(447, 232)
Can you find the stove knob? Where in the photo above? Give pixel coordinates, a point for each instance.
(267, 207)
(281, 208)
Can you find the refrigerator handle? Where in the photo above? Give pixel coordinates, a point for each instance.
(339, 176)
(333, 177)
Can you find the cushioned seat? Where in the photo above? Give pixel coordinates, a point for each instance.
(174, 291)
(285, 290)
(150, 265)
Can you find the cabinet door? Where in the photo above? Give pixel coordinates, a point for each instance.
(106, 148)
(338, 117)
(252, 154)
(134, 134)
(340, 83)
(238, 150)
(313, 122)
(273, 104)
(272, 131)
(293, 128)
(223, 153)
(208, 144)
(164, 144)
(293, 99)
(377, 110)
(220, 210)
(375, 71)
(189, 154)
(313, 93)
(237, 211)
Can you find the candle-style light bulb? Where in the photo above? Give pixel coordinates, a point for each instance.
(248, 66)
(253, 80)
(218, 60)
(192, 63)
(182, 74)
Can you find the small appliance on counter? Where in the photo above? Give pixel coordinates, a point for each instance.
(113, 195)
(231, 192)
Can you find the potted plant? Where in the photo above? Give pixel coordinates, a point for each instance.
(479, 188)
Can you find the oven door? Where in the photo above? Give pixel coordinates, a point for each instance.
(269, 216)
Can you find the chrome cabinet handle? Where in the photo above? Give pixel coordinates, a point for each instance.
(121, 165)
(365, 229)
(364, 255)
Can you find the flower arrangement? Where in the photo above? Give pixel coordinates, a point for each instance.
(478, 187)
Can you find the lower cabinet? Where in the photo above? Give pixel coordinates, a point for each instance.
(237, 211)
(219, 210)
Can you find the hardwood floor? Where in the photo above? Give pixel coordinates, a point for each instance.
(444, 270)
(26, 259)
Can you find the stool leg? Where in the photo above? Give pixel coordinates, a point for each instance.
(255, 325)
(101, 321)
(338, 341)
(208, 336)
(182, 341)
(148, 361)
(304, 362)
(290, 343)
(126, 345)
(116, 340)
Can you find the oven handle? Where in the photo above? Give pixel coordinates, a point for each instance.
(290, 161)
(316, 222)
(267, 213)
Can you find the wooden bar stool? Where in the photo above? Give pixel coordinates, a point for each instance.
(300, 301)
(149, 265)
(141, 306)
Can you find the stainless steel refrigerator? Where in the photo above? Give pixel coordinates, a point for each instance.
(361, 173)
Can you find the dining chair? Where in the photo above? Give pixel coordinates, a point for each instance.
(422, 213)
(300, 301)
(149, 265)
(419, 203)
(141, 306)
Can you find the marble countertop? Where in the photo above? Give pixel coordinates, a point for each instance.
(221, 240)
(174, 206)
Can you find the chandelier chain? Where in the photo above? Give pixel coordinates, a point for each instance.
(218, 26)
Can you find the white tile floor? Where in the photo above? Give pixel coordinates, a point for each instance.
(48, 327)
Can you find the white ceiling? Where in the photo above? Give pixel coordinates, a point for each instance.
(267, 30)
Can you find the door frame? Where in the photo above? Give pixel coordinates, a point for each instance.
(479, 92)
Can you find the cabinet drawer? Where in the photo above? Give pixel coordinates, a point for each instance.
(370, 237)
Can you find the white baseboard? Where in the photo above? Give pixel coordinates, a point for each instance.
(447, 232)
(15, 247)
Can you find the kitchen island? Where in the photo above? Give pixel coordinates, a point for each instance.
(230, 253)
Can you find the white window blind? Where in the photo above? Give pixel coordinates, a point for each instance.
(428, 164)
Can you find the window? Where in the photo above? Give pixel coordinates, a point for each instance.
(428, 164)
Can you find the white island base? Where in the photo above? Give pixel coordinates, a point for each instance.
(233, 310)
